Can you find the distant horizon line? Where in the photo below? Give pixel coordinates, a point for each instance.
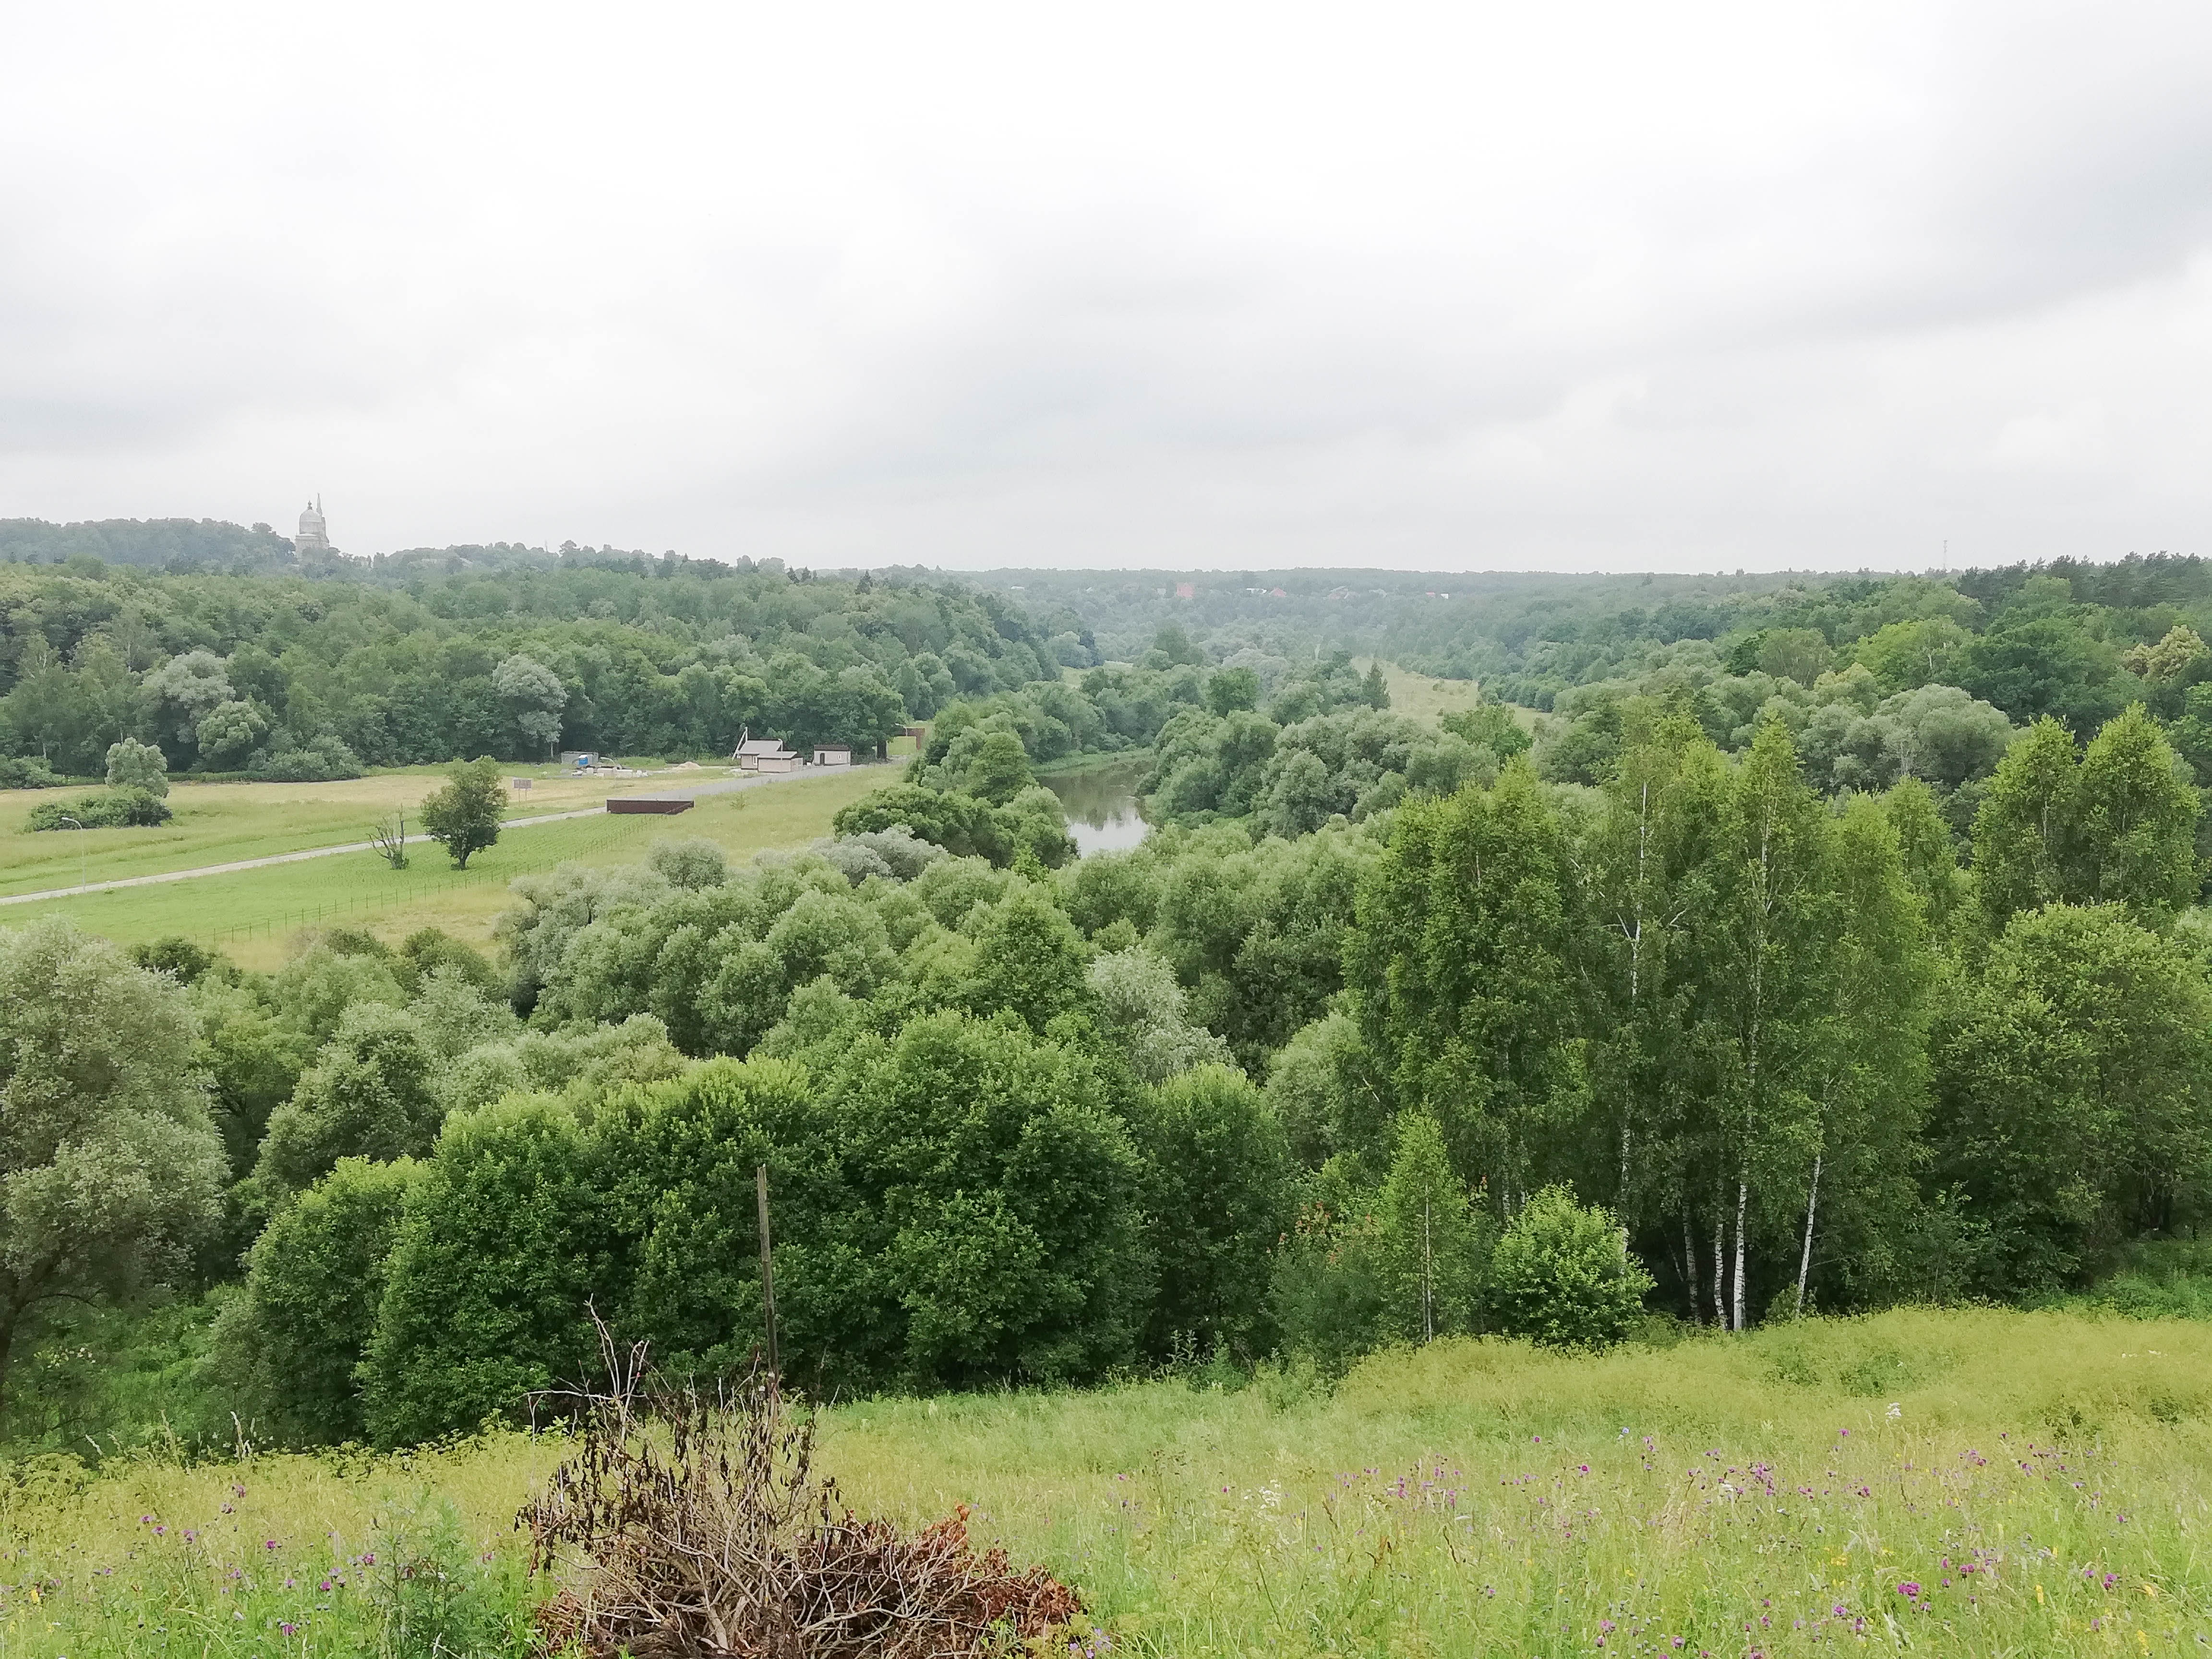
(604, 550)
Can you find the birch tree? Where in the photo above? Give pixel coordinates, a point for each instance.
(1870, 1061)
(1760, 961)
(1646, 880)
(1459, 971)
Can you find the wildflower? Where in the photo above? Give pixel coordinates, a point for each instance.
(1909, 1589)
(1894, 1412)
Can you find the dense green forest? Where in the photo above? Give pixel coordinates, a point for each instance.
(1846, 955)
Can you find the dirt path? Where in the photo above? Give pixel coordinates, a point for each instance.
(726, 786)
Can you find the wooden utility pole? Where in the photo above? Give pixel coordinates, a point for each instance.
(767, 1277)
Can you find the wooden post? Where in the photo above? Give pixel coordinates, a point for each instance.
(768, 1276)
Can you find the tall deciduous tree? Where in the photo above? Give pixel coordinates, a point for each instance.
(2134, 837)
(1649, 866)
(1458, 967)
(2076, 1084)
(110, 1170)
(2023, 828)
(2118, 823)
(1431, 1243)
(1762, 988)
(1869, 1069)
(534, 697)
(1927, 858)
(463, 816)
(370, 1094)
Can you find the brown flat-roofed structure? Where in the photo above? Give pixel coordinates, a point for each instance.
(649, 802)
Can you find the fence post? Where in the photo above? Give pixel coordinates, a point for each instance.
(768, 1281)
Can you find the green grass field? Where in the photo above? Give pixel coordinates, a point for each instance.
(223, 822)
(1970, 1482)
(1426, 698)
(251, 914)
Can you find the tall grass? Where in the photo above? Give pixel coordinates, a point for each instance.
(1965, 1482)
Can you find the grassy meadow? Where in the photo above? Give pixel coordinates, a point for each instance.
(223, 822)
(1970, 1482)
(251, 914)
(1424, 698)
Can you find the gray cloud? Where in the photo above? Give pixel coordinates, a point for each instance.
(1579, 286)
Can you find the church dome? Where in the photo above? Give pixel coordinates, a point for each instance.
(314, 534)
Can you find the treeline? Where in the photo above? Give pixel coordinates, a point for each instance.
(2063, 638)
(410, 662)
(149, 543)
(1231, 1093)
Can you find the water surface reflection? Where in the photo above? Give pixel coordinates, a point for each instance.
(1101, 805)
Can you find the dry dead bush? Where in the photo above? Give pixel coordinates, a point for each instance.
(693, 1524)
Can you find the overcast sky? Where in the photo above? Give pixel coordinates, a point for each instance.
(1454, 286)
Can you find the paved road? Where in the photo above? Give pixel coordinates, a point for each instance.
(724, 786)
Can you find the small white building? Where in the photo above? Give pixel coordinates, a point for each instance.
(756, 754)
(833, 754)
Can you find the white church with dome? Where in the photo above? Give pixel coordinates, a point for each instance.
(314, 534)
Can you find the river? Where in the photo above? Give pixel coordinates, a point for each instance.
(1101, 805)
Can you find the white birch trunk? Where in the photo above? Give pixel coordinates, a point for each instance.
(1742, 1203)
(1690, 1268)
(1720, 1267)
(1805, 1258)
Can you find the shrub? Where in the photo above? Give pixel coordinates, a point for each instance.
(110, 809)
(321, 762)
(178, 958)
(690, 1523)
(135, 765)
(503, 1244)
(1326, 1288)
(295, 1340)
(1220, 1172)
(1562, 1274)
(26, 772)
(693, 865)
(991, 1227)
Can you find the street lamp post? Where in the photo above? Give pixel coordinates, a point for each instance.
(84, 880)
